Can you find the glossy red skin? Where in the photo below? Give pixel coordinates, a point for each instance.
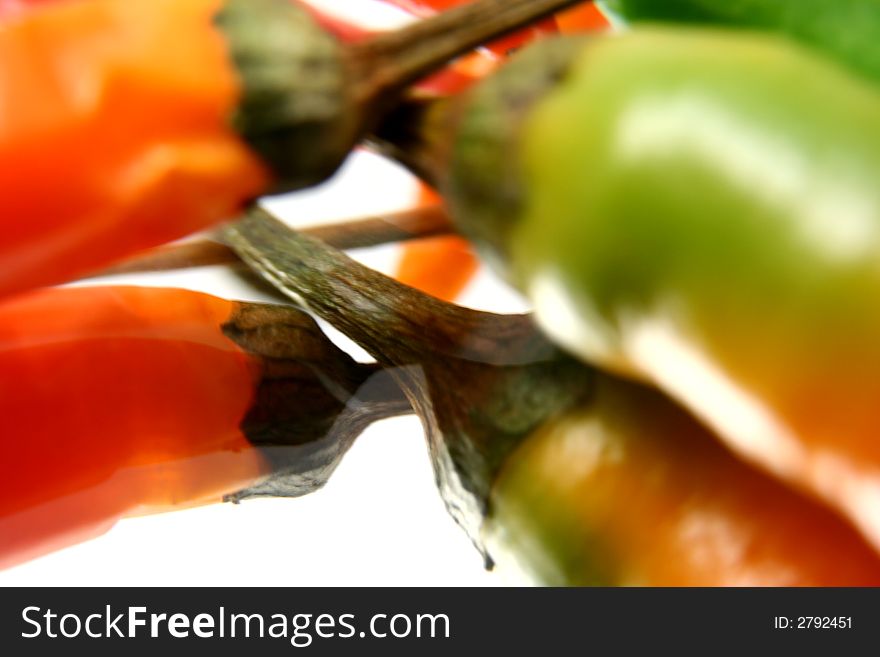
(115, 134)
(113, 402)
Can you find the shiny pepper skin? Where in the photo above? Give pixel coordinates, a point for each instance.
(700, 210)
(119, 136)
(629, 490)
(113, 402)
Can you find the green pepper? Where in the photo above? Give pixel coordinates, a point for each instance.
(846, 30)
(698, 209)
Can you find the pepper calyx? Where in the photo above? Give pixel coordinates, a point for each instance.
(311, 402)
(485, 185)
(295, 108)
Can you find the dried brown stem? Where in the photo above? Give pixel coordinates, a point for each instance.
(425, 221)
(312, 400)
(388, 63)
(394, 322)
(480, 382)
(307, 99)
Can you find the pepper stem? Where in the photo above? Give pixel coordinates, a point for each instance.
(386, 64)
(312, 399)
(307, 99)
(396, 323)
(425, 221)
(479, 382)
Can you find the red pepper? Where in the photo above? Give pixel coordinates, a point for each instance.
(116, 401)
(121, 401)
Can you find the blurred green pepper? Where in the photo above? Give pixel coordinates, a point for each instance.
(698, 209)
(847, 30)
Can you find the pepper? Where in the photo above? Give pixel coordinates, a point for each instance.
(845, 30)
(119, 401)
(630, 490)
(118, 136)
(131, 123)
(584, 18)
(442, 265)
(686, 207)
(576, 475)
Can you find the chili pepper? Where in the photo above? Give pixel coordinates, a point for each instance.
(120, 400)
(630, 490)
(843, 29)
(584, 478)
(441, 266)
(114, 137)
(584, 18)
(686, 207)
(118, 130)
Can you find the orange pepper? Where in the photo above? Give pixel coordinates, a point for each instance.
(119, 136)
(439, 266)
(582, 18)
